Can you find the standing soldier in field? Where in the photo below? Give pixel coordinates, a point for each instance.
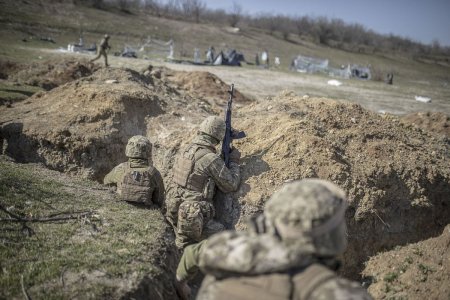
(197, 171)
(289, 252)
(102, 50)
(137, 180)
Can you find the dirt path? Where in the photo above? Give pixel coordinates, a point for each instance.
(263, 84)
(375, 96)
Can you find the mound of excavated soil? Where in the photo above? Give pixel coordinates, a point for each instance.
(83, 125)
(50, 74)
(206, 85)
(436, 122)
(416, 271)
(397, 177)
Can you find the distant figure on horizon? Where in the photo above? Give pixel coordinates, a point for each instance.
(277, 61)
(265, 58)
(104, 45)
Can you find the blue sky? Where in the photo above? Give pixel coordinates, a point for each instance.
(420, 20)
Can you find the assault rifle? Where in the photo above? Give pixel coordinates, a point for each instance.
(230, 134)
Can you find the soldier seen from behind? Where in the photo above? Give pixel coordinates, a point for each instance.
(137, 181)
(288, 252)
(197, 172)
(104, 45)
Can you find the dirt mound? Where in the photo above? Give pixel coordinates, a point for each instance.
(416, 271)
(397, 177)
(436, 122)
(82, 125)
(206, 85)
(50, 74)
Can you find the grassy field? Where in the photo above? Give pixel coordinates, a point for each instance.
(73, 234)
(11, 93)
(63, 22)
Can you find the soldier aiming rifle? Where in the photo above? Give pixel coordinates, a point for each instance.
(199, 171)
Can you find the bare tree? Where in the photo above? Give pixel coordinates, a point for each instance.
(303, 25)
(218, 16)
(152, 6)
(126, 5)
(436, 46)
(235, 14)
(97, 4)
(193, 8)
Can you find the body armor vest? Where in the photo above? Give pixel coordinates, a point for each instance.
(276, 286)
(184, 172)
(136, 185)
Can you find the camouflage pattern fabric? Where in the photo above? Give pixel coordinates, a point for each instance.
(231, 253)
(156, 184)
(339, 288)
(281, 257)
(310, 214)
(315, 282)
(226, 179)
(259, 266)
(138, 146)
(195, 223)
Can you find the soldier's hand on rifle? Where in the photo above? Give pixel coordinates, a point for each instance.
(235, 155)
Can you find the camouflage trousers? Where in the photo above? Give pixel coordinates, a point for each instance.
(101, 53)
(195, 223)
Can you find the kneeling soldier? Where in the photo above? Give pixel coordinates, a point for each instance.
(137, 180)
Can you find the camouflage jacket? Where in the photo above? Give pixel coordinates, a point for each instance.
(210, 165)
(116, 175)
(104, 44)
(258, 266)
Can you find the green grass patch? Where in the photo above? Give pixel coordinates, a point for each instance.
(425, 269)
(90, 256)
(390, 277)
(12, 93)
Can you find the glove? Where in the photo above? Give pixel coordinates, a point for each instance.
(235, 155)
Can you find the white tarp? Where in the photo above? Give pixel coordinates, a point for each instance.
(309, 64)
(334, 82)
(423, 99)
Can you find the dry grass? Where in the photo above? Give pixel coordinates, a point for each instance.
(112, 246)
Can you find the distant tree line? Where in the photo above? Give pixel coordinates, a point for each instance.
(321, 30)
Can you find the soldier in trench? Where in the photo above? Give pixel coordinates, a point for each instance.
(197, 172)
(288, 252)
(137, 180)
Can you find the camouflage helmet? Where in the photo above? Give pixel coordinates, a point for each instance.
(138, 147)
(213, 126)
(106, 36)
(309, 213)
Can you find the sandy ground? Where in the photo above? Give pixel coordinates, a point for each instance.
(262, 84)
